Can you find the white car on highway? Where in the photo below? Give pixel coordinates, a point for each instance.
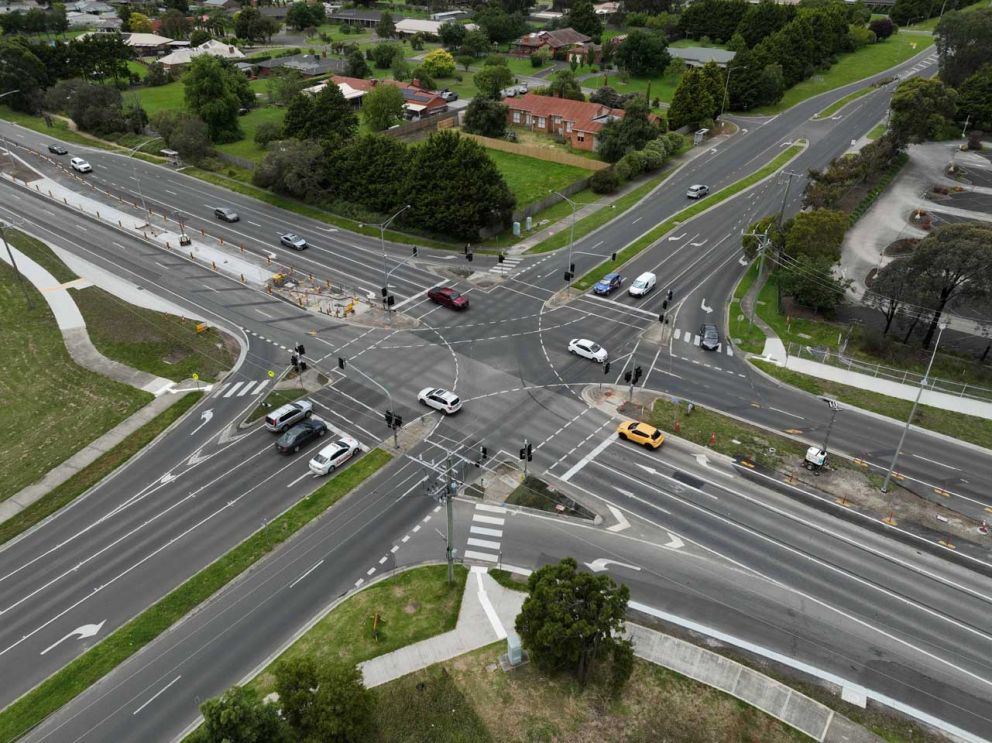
(643, 284)
(334, 455)
(588, 350)
(440, 399)
(80, 165)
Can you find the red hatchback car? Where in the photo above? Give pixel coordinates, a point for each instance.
(448, 297)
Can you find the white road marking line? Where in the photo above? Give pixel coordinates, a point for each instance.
(587, 458)
(488, 520)
(498, 533)
(416, 528)
(405, 539)
(305, 474)
(678, 333)
(384, 558)
(253, 224)
(246, 388)
(261, 386)
(157, 694)
(695, 340)
(370, 571)
(394, 549)
(786, 412)
(170, 192)
(490, 509)
(306, 574)
(472, 541)
(263, 313)
(934, 461)
(622, 522)
(233, 389)
(473, 555)
(359, 582)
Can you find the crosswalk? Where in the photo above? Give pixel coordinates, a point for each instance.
(485, 533)
(920, 66)
(507, 266)
(239, 389)
(687, 336)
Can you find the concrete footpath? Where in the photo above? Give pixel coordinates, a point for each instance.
(488, 610)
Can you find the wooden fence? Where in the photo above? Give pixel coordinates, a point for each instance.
(540, 153)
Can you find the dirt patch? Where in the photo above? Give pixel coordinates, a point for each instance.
(175, 356)
(905, 246)
(411, 608)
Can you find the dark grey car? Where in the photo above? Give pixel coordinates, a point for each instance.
(709, 337)
(228, 215)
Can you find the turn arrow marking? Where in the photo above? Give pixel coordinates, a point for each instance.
(703, 460)
(675, 542)
(81, 633)
(703, 306)
(205, 416)
(598, 566)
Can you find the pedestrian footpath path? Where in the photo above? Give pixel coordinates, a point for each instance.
(774, 349)
(486, 533)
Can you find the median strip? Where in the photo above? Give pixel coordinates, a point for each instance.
(62, 686)
(651, 236)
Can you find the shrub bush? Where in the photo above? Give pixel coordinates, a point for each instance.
(604, 181)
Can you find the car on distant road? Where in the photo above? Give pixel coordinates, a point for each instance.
(283, 417)
(440, 399)
(334, 455)
(57, 149)
(292, 240)
(698, 191)
(641, 433)
(300, 435)
(522, 88)
(587, 350)
(643, 284)
(607, 284)
(226, 214)
(80, 165)
(448, 95)
(510, 92)
(709, 337)
(448, 297)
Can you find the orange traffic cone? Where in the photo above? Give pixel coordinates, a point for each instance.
(713, 439)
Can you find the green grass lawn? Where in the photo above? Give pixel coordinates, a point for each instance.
(851, 67)
(138, 67)
(744, 334)
(877, 131)
(246, 147)
(162, 97)
(531, 179)
(36, 371)
(662, 87)
(521, 66)
(412, 606)
(841, 102)
(931, 24)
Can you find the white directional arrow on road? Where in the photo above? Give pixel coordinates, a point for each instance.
(598, 566)
(703, 460)
(622, 522)
(81, 633)
(704, 307)
(677, 237)
(167, 477)
(205, 416)
(675, 543)
(270, 254)
(743, 260)
(743, 131)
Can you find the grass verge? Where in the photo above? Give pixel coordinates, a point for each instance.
(535, 493)
(839, 104)
(505, 578)
(93, 665)
(965, 427)
(411, 606)
(744, 334)
(60, 130)
(464, 700)
(96, 471)
(156, 342)
(647, 239)
(876, 132)
(531, 179)
(275, 399)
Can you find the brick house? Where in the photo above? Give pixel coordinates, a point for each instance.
(577, 122)
(556, 43)
(417, 102)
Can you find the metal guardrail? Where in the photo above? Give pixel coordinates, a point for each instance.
(903, 376)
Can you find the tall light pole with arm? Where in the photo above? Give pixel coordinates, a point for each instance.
(134, 169)
(571, 237)
(382, 244)
(726, 86)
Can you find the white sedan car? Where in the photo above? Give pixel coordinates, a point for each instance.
(80, 165)
(440, 399)
(334, 455)
(587, 350)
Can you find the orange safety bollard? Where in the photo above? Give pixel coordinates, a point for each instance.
(221, 238)
(713, 438)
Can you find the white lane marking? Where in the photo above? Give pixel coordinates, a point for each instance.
(261, 386)
(473, 555)
(306, 573)
(587, 458)
(253, 224)
(473, 542)
(677, 334)
(488, 520)
(233, 389)
(786, 412)
(264, 314)
(305, 474)
(170, 192)
(487, 605)
(622, 522)
(246, 388)
(486, 532)
(934, 461)
(491, 509)
(157, 694)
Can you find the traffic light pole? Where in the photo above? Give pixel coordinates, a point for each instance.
(341, 365)
(448, 498)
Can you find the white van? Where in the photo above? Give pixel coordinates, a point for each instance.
(642, 284)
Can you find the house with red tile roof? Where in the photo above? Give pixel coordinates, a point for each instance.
(556, 42)
(577, 122)
(417, 102)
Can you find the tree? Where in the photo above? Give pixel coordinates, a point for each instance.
(716, 19)
(357, 66)
(139, 23)
(582, 17)
(692, 104)
(769, 227)
(890, 290)
(455, 188)
(212, 92)
(382, 107)
(951, 263)
(882, 27)
(371, 170)
(643, 53)
(564, 85)
(384, 53)
(298, 116)
(385, 28)
(632, 132)
(754, 80)
(266, 132)
(302, 15)
(250, 24)
(975, 101)
(818, 233)
(292, 167)
(198, 36)
(963, 43)
(157, 75)
(476, 42)
(282, 85)
(175, 25)
(181, 5)
(921, 108)
(239, 717)
(486, 116)
(491, 79)
(607, 96)
(333, 117)
(93, 107)
(811, 282)
(762, 20)
(451, 34)
(500, 26)
(570, 620)
(22, 71)
(329, 705)
(439, 63)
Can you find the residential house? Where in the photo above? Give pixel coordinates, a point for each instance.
(228, 5)
(417, 102)
(91, 7)
(556, 42)
(697, 56)
(606, 9)
(449, 15)
(577, 122)
(308, 65)
(214, 48)
(275, 12)
(358, 17)
(147, 45)
(95, 22)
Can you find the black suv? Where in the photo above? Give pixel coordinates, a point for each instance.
(300, 435)
(709, 338)
(57, 149)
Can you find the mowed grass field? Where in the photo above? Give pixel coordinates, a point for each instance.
(662, 87)
(851, 67)
(531, 179)
(51, 407)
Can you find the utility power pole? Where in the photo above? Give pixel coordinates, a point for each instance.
(450, 488)
(13, 264)
(790, 175)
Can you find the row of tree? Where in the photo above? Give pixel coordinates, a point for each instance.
(51, 20)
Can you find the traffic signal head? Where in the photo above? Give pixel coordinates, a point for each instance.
(301, 350)
(389, 418)
(637, 374)
(661, 317)
(340, 362)
(295, 361)
(530, 452)
(523, 453)
(385, 291)
(606, 367)
(485, 453)
(613, 257)
(568, 275)
(500, 258)
(670, 295)
(469, 257)
(414, 251)
(571, 268)
(664, 304)
(390, 300)
(397, 422)
(627, 376)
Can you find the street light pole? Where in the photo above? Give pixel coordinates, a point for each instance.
(785, 197)
(13, 264)
(571, 237)
(134, 169)
(726, 87)
(834, 409)
(912, 411)
(382, 244)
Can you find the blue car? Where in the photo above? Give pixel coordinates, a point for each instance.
(608, 283)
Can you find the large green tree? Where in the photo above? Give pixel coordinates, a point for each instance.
(963, 44)
(214, 92)
(630, 133)
(451, 34)
(755, 80)
(975, 99)
(818, 233)
(324, 705)
(292, 167)
(21, 70)
(455, 188)
(486, 116)
(762, 20)
(491, 79)
(570, 619)
(643, 53)
(921, 108)
(582, 17)
(325, 116)
(500, 26)
(715, 19)
(302, 15)
(382, 107)
(250, 24)
(810, 280)
(239, 717)
(565, 85)
(371, 170)
(692, 104)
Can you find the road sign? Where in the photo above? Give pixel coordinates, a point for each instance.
(271, 374)
(195, 376)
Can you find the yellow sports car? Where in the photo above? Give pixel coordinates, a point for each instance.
(641, 433)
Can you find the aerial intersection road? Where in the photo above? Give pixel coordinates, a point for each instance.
(749, 563)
